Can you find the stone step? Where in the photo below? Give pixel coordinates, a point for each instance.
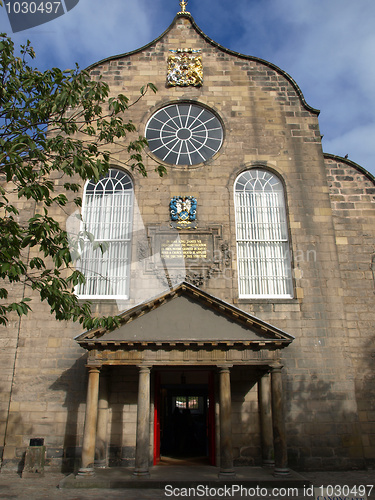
(184, 477)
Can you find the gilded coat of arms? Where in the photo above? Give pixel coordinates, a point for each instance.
(185, 68)
(183, 210)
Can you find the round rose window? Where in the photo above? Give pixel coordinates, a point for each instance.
(184, 134)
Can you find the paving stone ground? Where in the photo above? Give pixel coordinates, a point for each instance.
(12, 486)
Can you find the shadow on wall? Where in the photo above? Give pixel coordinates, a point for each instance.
(365, 395)
(62, 427)
(74, 383)
(14, 428)
(122, 402)
(322, 425)
(245, 417)
(114, 449)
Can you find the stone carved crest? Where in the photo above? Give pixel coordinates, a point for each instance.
(183, 210)
(185, 68)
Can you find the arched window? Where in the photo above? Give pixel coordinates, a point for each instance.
(107, 216)
(264, 268)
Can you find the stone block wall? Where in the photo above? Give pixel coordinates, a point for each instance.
(352, 192)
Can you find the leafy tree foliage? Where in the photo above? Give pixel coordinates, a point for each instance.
(54, 126)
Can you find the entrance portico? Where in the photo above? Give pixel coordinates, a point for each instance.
(188, 329)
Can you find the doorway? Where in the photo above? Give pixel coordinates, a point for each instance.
(184, 424)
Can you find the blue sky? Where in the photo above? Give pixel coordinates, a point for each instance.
(327, 46)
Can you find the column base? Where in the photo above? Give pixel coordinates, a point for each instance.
(268, 463)
(141, 473)
(227, 474)
(86, 472)
(101, 464)
(279, 471)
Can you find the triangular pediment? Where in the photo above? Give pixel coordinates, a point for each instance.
(189, 316)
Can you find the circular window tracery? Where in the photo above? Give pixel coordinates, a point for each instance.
(184, 134)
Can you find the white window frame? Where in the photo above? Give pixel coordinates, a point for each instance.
(107, 215)
(263, 255)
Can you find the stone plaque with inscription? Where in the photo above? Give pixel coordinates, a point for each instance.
(197, 253)
(190, 247)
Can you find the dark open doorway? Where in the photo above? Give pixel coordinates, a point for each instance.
(184, 430)
(184, 418)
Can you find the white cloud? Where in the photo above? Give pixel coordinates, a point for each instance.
(91, 31)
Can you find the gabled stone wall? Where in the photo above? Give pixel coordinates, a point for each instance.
(352, 192)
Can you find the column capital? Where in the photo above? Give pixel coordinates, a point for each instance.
(224, 368)
(144, 368)
(276, 367)
(94, 368)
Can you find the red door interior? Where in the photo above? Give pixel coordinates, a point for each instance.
(171, 397)
(157, 419)
(211, 419)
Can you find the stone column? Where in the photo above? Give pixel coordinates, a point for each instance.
(279, 434)
(265, 402)
(143, 423)
(89, 433)
(226, 451)
(101, 453)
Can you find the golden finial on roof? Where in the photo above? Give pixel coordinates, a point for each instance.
(183, 5)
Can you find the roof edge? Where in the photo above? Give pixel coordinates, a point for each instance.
(261, 61)
(351, 163)
(187, 15)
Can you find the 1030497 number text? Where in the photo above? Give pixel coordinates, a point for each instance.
(33, 7)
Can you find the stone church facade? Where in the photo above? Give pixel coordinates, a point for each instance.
(244, 280)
